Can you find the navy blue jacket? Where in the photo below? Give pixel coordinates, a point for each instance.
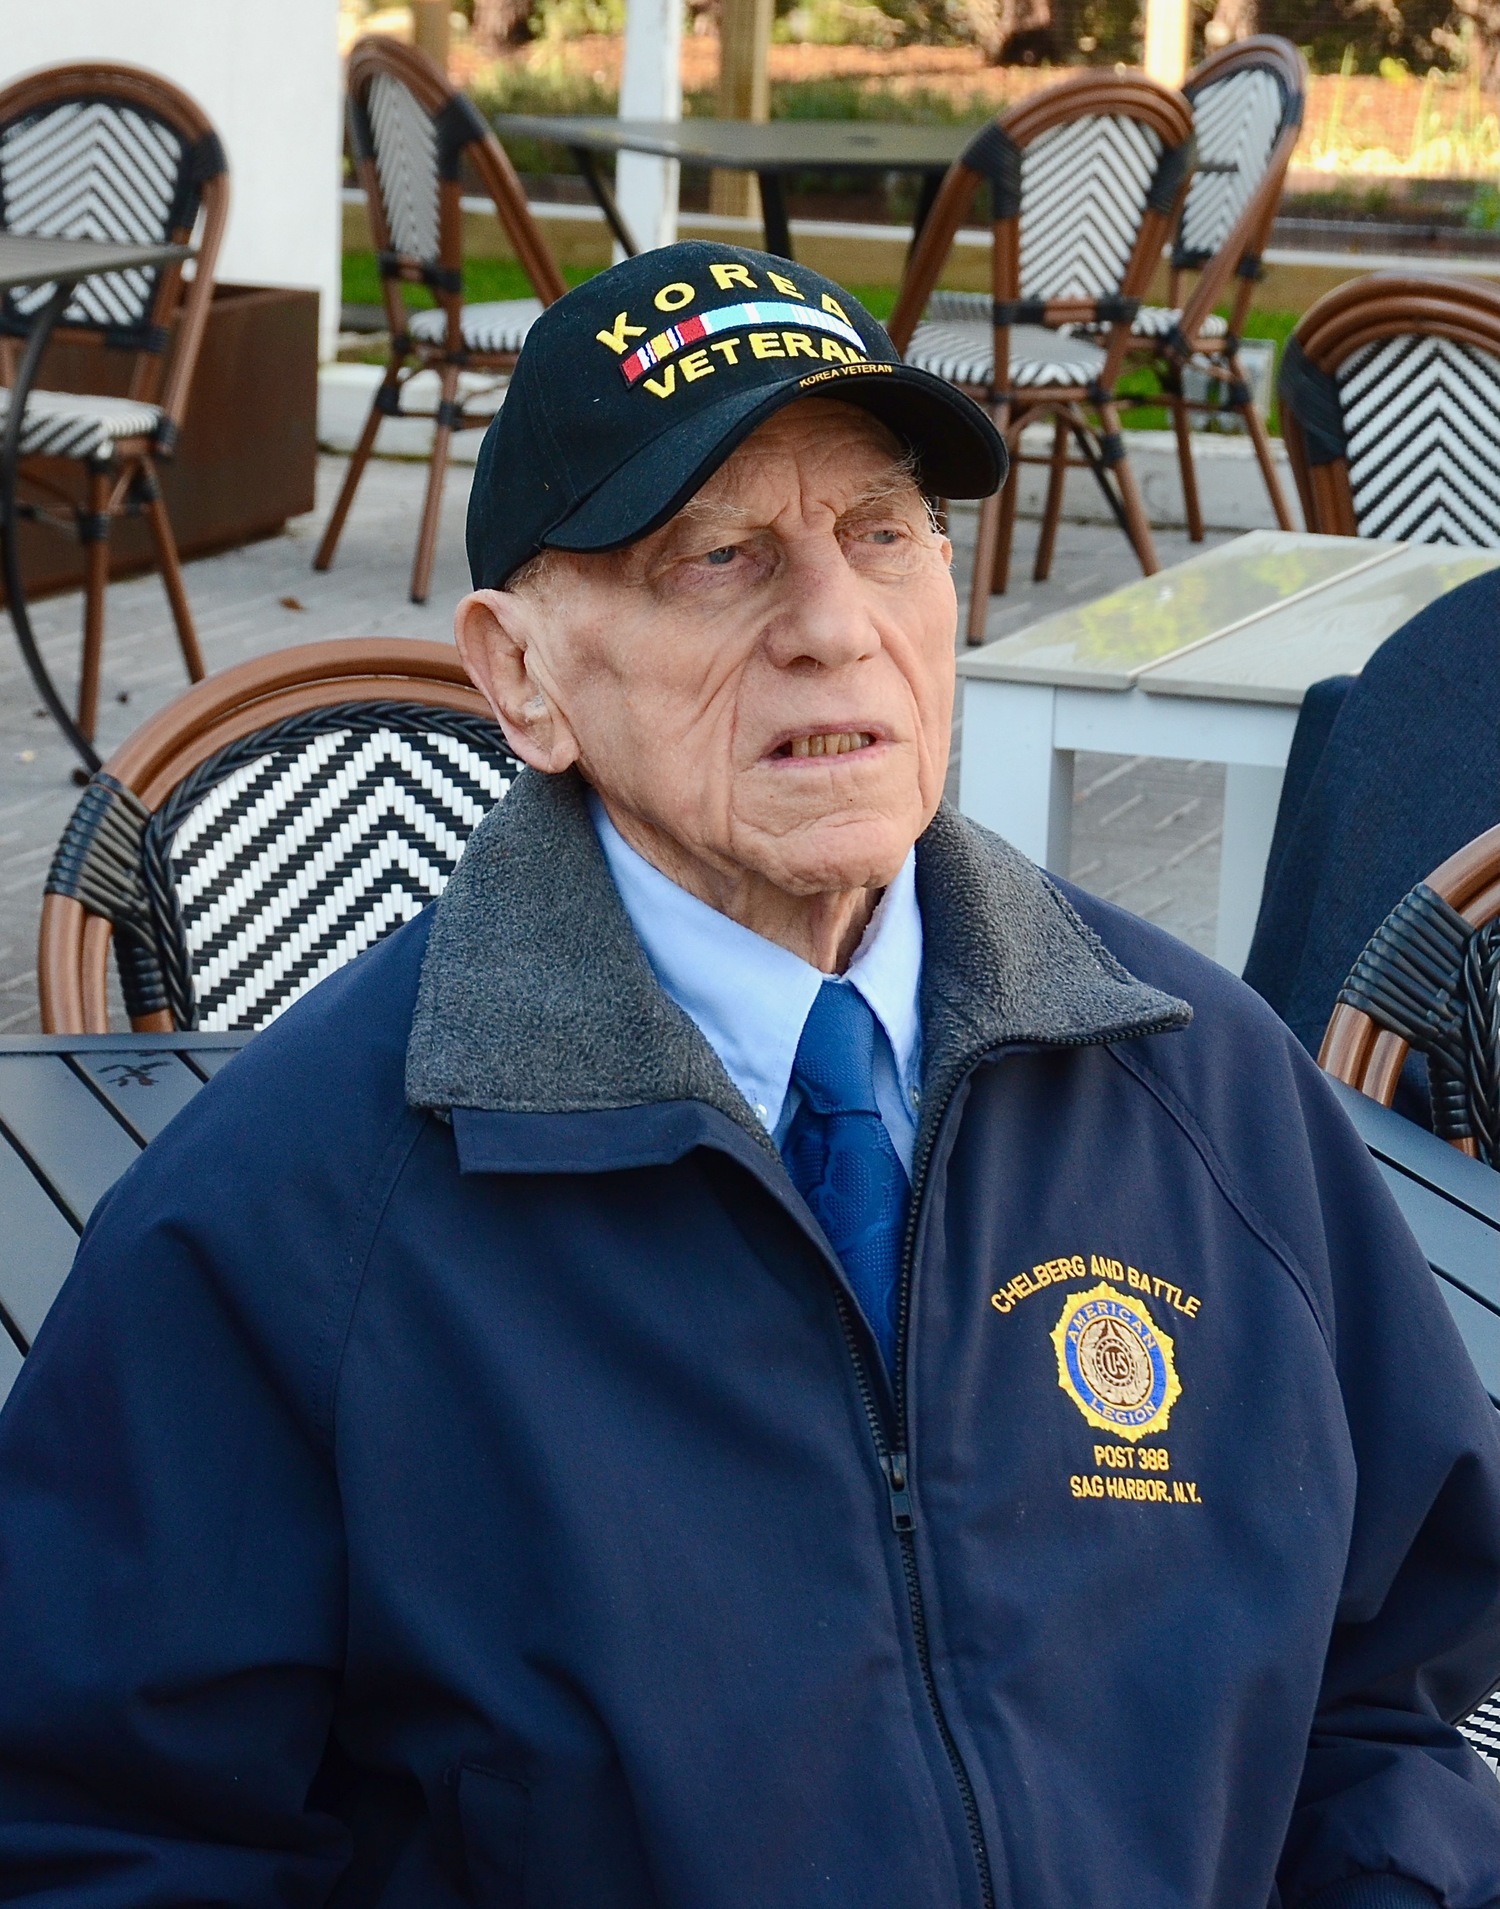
(456, 1471)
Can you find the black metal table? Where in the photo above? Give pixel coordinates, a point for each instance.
(63, 264)
(769, 149)
(1452, 1204)
(75, 1110)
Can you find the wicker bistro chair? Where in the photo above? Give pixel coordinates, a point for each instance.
(1084, 180)
(1390, 392)
(1429, 979)
(1247, 105)
(411, 133)
(264, 829)
(111, 152)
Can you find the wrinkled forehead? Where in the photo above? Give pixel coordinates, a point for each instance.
(815, 455)
(816, 451)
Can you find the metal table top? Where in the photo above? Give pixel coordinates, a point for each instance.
(37, 261)
(75, 1110)
(778, 145)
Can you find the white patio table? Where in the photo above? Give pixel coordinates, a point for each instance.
(1208, 661)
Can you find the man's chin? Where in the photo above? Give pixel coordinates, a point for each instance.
(834, 854)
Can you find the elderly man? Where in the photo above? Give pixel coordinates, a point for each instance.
(763, 1353)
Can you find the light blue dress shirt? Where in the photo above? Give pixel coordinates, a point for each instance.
(750, 997)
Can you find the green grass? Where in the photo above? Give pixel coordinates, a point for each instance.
(484, 279)
(503, 278)
(1151, 417)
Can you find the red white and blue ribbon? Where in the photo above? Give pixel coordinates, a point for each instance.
(734, 318)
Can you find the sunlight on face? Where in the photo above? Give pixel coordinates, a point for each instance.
(765, 686)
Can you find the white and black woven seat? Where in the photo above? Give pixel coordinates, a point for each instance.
(497, 327)
(1164, 321)
(964, 353)
(65, 424)
(282, 856)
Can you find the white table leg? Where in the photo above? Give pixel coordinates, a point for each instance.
(1251, 797)
(1011, 778)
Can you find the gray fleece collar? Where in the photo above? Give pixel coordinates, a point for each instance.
(536, 996)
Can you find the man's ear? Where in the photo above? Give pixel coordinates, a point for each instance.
(496, 633)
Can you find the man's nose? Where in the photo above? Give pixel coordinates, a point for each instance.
(821, 614)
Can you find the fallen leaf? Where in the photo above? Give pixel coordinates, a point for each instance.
(291, 603)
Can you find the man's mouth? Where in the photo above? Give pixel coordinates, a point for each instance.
(830, 742)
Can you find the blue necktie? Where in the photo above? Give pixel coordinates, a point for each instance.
(840, 1156)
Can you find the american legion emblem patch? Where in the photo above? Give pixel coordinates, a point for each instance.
(1115, 1363)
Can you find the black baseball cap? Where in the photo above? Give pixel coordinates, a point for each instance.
(632, 390)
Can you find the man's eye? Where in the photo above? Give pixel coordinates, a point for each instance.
(882, 536)
(725, 553)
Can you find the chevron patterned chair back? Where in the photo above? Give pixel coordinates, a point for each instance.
(98, 151)
(1085, 180)
(1390, 403)
(414, 137)
(262, 830)
(1247, 104)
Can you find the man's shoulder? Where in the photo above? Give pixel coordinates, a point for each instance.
(1223, 1005)
(1237, 1080)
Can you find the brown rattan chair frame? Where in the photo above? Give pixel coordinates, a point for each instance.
(1229, 276)
(1366, 311)
(73, 946)
(1168, 115)
(464, 141)
(161, 374)
(1356, 1048)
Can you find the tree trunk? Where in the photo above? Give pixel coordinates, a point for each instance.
(501, 23)
(1012, 32)
(1232, 20)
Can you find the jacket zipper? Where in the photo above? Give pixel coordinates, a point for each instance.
(893, 1458)
(903, 1521)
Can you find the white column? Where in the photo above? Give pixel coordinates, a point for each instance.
(650, 88)
(268, 77)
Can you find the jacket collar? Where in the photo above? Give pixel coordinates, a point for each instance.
(537, 999)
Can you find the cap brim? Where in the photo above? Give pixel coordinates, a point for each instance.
(959, 452)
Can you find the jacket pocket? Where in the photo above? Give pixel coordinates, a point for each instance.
(492, 1813)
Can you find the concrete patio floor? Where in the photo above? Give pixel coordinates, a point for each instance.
(1145, 833)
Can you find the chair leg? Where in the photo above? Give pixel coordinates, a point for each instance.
(1056, 478)
(1181, 425)
(380, 405)
(1260, 438)
(95, 530)
(1136, 525)
(1000, 572)
(984, 563)
(437, 471)
(170, 566)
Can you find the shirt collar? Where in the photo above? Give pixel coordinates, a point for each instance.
(751, 997)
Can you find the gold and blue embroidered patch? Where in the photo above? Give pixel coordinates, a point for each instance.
(1115, 1363)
